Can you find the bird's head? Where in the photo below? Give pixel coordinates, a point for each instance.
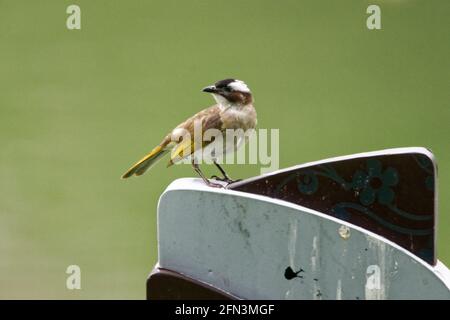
(230, 92)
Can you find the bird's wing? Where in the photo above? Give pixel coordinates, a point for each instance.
(210, 119)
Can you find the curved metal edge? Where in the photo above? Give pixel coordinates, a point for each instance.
(165, 284)
(195, 184)
(419, 150)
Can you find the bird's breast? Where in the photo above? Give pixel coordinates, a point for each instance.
(239, 118)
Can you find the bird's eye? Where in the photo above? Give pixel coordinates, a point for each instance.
(227, 89)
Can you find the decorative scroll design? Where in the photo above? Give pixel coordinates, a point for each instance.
(392, 195)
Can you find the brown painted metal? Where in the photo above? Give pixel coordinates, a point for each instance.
(163, 284)
(392, 195)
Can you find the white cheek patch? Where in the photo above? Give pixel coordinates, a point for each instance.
(239, 85)
(221, 101)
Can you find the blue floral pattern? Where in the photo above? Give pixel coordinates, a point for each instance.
(374, 184)
(368, 192)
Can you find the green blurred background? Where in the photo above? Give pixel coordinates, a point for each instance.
(77, 108)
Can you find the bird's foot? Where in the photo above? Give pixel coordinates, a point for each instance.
(214, 185)
(225, 179)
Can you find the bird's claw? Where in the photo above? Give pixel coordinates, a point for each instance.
(214, 185)
(225, 179)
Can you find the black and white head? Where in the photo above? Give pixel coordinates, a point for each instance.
(230, 92)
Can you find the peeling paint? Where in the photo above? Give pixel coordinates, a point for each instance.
(314, 254)
(292, 241)
(314, 267)
(339, 290)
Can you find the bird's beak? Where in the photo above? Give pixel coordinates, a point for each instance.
(210, 89)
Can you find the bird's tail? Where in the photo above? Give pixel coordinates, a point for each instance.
(146, 162)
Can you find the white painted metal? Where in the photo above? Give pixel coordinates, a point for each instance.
(243, 243)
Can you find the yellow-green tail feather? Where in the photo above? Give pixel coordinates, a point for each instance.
(146, 162)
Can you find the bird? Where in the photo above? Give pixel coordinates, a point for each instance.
(233, 110)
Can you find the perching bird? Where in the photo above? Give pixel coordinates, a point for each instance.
(234, 110)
